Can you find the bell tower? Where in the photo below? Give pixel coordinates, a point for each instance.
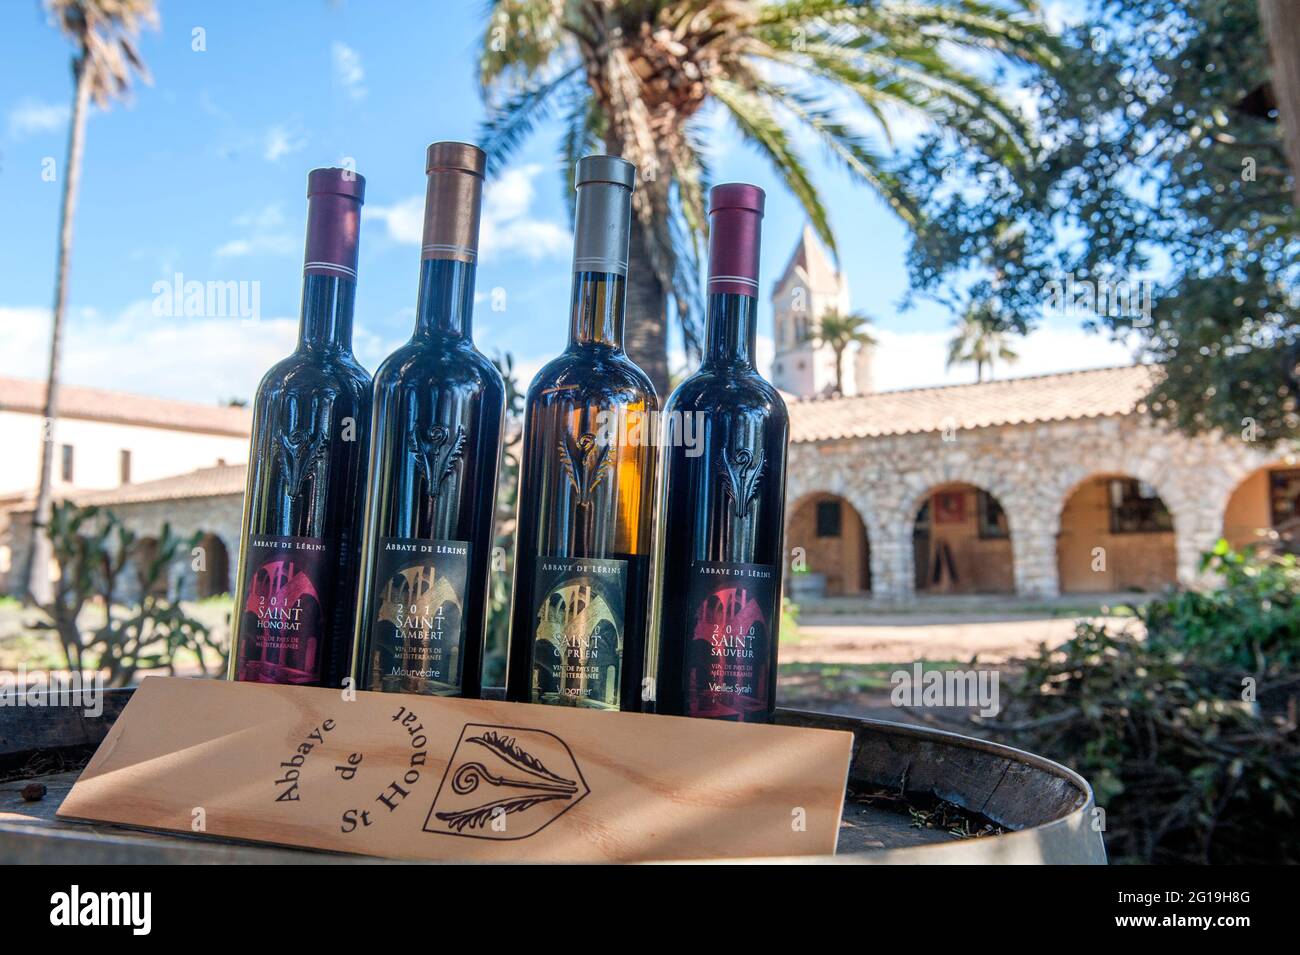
(810, 287)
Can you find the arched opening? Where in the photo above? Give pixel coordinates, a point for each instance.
(961, 543)
(143, 554)
(1116, 535)
(213, 576)
(1265, 509)
(835, 545)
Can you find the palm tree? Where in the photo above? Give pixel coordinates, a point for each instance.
(632, 78)
(837, 332)
(104, 60)
(980, 342)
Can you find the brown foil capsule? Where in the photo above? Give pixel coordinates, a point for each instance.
(453, 201)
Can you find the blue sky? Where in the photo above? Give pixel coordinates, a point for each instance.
(203, 173)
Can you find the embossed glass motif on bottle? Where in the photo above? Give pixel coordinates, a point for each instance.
(311, 418)
(583, 542)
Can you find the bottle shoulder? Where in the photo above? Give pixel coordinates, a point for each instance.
(424, 364)
(586, 376)
(302, 373)
(720, 391)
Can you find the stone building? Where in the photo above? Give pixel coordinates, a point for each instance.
(208, 502)
(109, 442)
(1029, 486)
(1032, 486)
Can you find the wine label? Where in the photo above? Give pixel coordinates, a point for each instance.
(282, 625)
(578, 642)
(729, 651)
(417, 627)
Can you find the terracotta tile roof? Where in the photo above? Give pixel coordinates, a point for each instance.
(1059, 397)
(97, 404)
(206, 482)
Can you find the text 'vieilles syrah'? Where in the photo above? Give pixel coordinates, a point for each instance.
(439, 410)
(306, 464)
(722, 499)
(583, 544)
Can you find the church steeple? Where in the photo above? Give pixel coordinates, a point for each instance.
(809, 287)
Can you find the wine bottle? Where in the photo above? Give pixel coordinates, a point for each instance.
(306, 464)
(721, 501)
(436, 436)
(582, 551)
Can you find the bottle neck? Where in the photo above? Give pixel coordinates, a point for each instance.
(599, 299)
(446, 304)
(326, 322)
(731, 329)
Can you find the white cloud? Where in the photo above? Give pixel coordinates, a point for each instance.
(405, 219)
(280, 142)
(135, 351)
(348, 72)
(265, 236)
(31, 117)
(507, 226)
(918, 359)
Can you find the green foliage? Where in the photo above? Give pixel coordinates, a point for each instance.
(633, 79)
(94, 551)
(838, 332)
(1162, 158)
(978, 341)
(498, 628)
(1251, 623)
(788, 630)
(1187, 732)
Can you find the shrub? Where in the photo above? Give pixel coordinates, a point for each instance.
(93, 550)
(1185, 724)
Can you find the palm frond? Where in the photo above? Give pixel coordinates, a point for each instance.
(509, 124)
(757, 122)
(521, 37)
(855, 153)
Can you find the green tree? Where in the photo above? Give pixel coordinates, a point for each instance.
(104, 61)
(1164, 160)
(632, 79)
(980, 342)
(837, 332)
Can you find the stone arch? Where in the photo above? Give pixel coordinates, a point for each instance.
(214, 577)
(1013, 487)
(1193, 493)
(1116, 532)
(961, 540)
(143, 552)
(1263, 507)
(835, 541)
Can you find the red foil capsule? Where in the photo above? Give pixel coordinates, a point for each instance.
(735, 215)
(334, 198)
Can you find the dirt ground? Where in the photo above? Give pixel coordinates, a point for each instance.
(891, 638)
(844, 663)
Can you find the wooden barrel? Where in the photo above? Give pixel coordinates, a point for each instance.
(915, 795)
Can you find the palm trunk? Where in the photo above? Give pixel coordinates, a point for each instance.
(646, 334)
(36, 573)
(1281, 19)
(839, 372)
